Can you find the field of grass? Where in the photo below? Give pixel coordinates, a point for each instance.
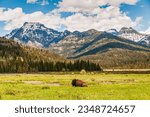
(57, 86)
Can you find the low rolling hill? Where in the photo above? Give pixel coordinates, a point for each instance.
(15, 57)
(10, 49)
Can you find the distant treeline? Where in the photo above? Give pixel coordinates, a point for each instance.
(20, 66)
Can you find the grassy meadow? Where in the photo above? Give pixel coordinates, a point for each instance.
(57, 86)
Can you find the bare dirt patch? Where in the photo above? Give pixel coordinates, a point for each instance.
(126, 81)
(53, 84)
(42, 83)
(9, 81)
(33, 82)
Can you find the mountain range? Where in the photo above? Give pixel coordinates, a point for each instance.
(125, 48)
(37, 34)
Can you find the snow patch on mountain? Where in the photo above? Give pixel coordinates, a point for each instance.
(112, 31)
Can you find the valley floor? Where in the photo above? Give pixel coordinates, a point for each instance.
(57, 86)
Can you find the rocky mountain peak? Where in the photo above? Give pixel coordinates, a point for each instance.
(127, 30)
(33, 25)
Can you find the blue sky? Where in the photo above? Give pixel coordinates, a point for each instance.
(142, 8)
(75, 15)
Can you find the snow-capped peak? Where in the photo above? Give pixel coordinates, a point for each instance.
(33, 25)
(130, 33)
(35, 32)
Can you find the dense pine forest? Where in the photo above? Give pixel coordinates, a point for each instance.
(17, 58)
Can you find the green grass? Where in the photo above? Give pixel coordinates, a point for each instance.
(100, 86)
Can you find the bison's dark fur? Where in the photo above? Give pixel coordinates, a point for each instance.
(78, 83)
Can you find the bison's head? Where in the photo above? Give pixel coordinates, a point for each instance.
(74, 82)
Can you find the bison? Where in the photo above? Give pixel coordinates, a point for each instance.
(78, 83)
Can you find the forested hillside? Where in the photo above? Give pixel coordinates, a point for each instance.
(17, 58)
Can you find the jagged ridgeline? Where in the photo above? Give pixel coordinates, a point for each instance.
(16, 58)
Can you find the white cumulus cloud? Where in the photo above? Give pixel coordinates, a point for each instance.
(41, 2)
(90, 14)
(31, 1)
(14, 18)
(119, 2)
(90, 5)
(44, 2)
(87, 14)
